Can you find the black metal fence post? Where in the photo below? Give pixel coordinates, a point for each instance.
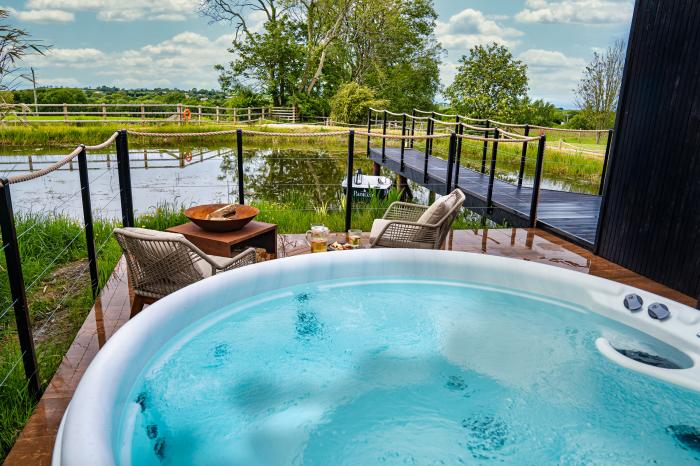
(369, 128)
(239, 157)
(349, 190)
(413, 125)
(458, 154)
(432, 131)
(536, 182)
(125, 179)
(17, 290)
(87, 216)
(605, 162)
(427, 152)
(383, 138)
(523, 156)
(486, 148)
(403, 141)
(450, 162)
(492, 172)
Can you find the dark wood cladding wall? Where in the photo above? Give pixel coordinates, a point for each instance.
(650, 219)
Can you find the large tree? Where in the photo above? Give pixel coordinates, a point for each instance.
(490, 83)
(308, 48)
(599, 88)
(391, 48)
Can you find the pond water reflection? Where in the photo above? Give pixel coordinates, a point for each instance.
(302, 178)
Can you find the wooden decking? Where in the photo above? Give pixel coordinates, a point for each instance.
(111, 311)
(573, 216)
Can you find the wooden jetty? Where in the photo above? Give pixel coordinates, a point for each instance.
(573, 216)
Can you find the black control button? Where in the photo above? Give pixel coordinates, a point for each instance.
(633, 302)
(659, 311)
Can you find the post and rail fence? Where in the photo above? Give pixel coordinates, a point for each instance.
(142, 113)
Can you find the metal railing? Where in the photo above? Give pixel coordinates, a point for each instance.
(485, 128)
(11, 247)
(484, 133)
(142, 113)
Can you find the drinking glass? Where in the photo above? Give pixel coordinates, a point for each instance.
(354, 238)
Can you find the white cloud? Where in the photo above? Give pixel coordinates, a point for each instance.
(62, 57)
(124, 10)
(58, 82)
(576, 11)
(185, 60)
(550, 59)
(471, 27)
(42, 16)
(552, 74)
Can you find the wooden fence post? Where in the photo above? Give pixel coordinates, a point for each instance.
(199, 113)
(104, 112)
(65, 112)
(217, 113)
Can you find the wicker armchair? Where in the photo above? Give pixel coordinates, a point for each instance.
(160, 263)
(404, 225)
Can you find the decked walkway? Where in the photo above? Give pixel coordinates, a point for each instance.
(573, 216)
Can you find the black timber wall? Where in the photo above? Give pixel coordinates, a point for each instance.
(650, 218)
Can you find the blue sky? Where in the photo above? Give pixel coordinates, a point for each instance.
(165, 43)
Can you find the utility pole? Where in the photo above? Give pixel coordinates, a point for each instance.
(36, 107)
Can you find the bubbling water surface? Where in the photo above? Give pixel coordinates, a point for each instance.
(405, 372)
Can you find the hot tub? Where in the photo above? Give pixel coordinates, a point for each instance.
(393, 357)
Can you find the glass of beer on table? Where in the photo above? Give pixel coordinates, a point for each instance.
(354, 238)
(317, 237)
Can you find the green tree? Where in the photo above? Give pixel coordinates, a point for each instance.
(62, 96)
(309, 48)
(351, 103)
(490, 83)
(271, 59)
(599, 88)
(539, 112)
(392, 49)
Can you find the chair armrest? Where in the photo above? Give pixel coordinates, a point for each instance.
(404, 231)
(404, 211)
(246, 257)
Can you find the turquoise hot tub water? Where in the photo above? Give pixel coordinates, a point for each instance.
(405, 372)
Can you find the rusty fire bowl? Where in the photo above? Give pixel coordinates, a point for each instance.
(198, 215)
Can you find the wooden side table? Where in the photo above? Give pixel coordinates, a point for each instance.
(255, 234)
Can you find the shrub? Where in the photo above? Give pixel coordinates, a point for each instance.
(350, 103)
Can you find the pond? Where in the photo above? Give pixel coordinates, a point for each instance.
(307, 178)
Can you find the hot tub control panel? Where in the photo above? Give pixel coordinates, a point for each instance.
(658, 311)
(633, 302)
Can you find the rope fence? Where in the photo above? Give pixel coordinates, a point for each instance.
(455, 132)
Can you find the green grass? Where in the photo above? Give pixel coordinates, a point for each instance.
(59, 298)
(581, 172)
(72, 134)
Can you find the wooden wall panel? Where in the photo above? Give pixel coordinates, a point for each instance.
(650, 218)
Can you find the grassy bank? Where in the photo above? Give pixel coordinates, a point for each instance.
(58, 287)
(71, 134)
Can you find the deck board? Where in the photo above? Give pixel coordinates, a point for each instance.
(573, 216)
